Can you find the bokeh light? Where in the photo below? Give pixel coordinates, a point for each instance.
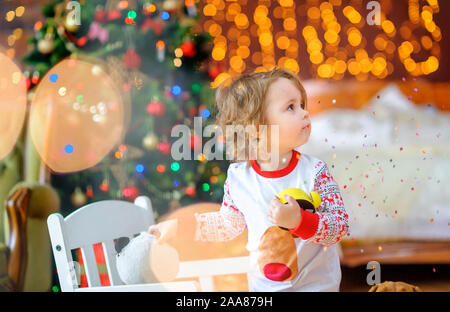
(13, 104)
(89, 115)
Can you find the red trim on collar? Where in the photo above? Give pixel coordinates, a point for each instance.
(278, 173)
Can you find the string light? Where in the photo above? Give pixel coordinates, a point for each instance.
(68, 148)
(175, 166)
(139, 168)
(334, 46)
(176, 90)
(165, 16)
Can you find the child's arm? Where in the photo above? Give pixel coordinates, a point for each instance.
(330, 223)
(222, 225)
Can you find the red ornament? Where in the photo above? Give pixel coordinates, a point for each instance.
(164, 148)
(82, 41)
(156, 108)
(188, 49)
(213, 72)
(130, 192)
(185, 96)
(131, 60)
(100, 15)
(167, 94)
(193, 111)
(150, 23)
(129, 21)
(190, 191)
(114, 14)
(89, 192)
(104, 187)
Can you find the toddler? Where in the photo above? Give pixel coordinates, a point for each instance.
(291, 249)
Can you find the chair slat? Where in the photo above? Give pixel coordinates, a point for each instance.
(110, 258)
(90, 266)
(184, 286)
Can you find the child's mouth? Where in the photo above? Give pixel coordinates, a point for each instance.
(306, 127)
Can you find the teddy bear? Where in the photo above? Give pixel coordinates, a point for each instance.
(278, 262)
(144, 260)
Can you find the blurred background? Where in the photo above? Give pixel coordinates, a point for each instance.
(378, 90)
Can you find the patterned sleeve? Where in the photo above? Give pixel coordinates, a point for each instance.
(330, 222)
(333, 219)
(223, 225)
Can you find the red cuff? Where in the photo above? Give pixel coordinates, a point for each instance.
(186, 226)
(308, 225)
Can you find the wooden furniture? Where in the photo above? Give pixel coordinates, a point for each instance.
(107, 220)
(17, 209)
(359, 253)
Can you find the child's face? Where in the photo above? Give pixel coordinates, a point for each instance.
(286, 110)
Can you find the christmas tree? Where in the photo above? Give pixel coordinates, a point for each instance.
(163, 57)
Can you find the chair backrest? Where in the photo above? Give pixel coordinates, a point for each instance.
(99, 222)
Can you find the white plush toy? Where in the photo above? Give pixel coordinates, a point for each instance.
(144, 260)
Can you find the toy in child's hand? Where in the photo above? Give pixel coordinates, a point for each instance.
(305, 202)
(143, 260)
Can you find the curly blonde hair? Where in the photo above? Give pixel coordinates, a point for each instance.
(241, 101)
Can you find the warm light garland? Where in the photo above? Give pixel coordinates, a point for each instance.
(333, 33)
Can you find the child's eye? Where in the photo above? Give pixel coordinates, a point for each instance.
(291, 106)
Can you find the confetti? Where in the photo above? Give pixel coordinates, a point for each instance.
(69, 148)
(62, 91)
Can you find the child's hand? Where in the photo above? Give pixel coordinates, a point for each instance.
(164, 230)
(285, 215)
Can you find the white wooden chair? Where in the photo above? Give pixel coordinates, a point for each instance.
(107, 220)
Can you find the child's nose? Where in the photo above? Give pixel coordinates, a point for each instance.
(305, 114)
